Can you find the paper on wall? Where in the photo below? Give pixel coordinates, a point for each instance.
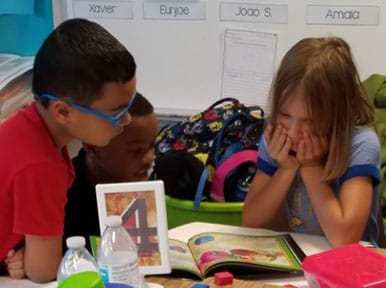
(248, 65)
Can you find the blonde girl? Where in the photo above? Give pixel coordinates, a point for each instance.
(318, 165)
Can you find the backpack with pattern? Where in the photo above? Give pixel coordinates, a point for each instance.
(232, 158)
(224, 137)
(196, 133)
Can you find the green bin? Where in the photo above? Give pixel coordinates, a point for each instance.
(182, 212)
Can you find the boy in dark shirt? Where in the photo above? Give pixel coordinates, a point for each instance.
(127, 158)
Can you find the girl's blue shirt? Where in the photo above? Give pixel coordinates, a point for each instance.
(365, 161)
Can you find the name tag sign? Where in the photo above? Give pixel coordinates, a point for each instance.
(174, 10)
(253, 12)
(343, 15)
(103, 9)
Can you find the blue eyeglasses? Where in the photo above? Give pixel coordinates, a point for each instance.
(114, 119)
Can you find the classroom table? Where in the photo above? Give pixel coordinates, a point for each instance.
(310, 244)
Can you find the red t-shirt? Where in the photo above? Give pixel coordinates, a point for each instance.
(34, 178)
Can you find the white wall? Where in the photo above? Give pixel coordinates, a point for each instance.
(180, 64)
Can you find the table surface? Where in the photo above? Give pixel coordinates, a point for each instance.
(187, 283)
(310, 244)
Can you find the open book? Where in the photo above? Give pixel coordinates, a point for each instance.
(15, 83)
(12, 66)
(248, 255)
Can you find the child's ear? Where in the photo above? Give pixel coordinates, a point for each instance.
(61, 111)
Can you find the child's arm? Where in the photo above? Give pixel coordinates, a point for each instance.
(267, 194)
(14, 263)
(343, 218)
(265, 197)
(42, 257)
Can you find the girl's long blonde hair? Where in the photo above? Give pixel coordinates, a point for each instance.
(324, 69)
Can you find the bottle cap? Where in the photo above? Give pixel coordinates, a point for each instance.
(113, 221)
(75, 242)
(82, 280)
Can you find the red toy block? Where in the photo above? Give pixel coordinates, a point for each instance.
(223, 278)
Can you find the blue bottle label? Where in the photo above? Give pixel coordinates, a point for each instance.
(122, 273)
(104, 270)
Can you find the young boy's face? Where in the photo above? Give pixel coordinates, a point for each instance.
(130, 155)
(96, 131)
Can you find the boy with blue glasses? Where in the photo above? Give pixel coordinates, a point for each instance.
(127, 158)
(84, 84)
(114, 119)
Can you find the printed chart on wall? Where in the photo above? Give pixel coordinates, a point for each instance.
(248, 65)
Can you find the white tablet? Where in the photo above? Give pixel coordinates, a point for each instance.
(142, 208)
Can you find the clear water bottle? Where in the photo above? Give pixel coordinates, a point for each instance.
(76, 259)
(117, 255)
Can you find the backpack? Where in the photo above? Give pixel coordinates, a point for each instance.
(224, 138)
(196, 133)
(231, 163)
(375, 87)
